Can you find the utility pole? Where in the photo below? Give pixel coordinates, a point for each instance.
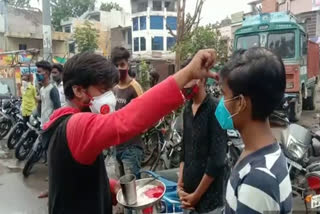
(4, 12)
(46, 28)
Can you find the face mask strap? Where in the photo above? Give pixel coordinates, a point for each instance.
(231, 99)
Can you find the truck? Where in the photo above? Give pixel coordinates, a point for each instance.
(284, 35)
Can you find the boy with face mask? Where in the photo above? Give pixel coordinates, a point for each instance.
(129, 154)
(56, 75)
(253, 84)
(49, 94)
(78, 182)
(204, 146)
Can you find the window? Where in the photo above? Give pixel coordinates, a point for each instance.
(72, 48)
(170, 42)
(304, 44)
(136, 44)
(172, 22)
(142, 44)
(67, 29)
(156, 22)
(135, 24)
(282, 44)
(157, 43)
(157, 6)
(22, 47)
(170, 5)
(247, 42)
(143, 24)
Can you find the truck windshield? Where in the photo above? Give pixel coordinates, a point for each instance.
(247, 42)
(282, 44)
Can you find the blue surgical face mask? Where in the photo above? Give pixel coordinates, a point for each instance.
(40, 77)
(223, 115)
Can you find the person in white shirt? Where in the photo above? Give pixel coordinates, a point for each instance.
(56, 75)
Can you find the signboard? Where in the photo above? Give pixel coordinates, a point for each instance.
(6, 60)
(27, 70)
(237, 17)
(24, 58)
(13, 59)
(315, 5)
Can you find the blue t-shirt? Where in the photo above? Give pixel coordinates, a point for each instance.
(260, 183)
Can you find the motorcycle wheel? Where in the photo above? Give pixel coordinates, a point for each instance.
(15, 135)
(150, 148)
(34, 157)
(159, 165)
(175, 160)
(5, 126)
(25, 145)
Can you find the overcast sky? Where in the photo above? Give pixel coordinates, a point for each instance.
(213, 10)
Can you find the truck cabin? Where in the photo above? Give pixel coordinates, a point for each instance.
(281, 33)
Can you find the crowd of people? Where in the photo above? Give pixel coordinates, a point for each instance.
(104, 106)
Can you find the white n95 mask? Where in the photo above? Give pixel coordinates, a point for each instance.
(103, 104)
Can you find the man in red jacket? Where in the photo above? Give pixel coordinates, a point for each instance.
(78, 133)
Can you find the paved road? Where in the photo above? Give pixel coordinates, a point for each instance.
(19, 195)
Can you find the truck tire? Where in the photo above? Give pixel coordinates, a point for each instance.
(310, 102)
(295, 110)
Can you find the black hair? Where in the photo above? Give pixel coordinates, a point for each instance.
(258, 74)
(88, 69)
(119, 53)
(59, 67)
(44, 65)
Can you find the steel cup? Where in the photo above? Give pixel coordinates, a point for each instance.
(128, 187)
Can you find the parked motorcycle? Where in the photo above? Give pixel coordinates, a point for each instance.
(302, 149)
(150, 141)
(28, 138)
(10, 110)
(39, 150)
(16, 132)
(168, 147)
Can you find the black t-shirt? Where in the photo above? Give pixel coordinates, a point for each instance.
(73, 187)
(124, 95)
(204, 149)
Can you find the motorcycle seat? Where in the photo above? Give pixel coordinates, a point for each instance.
(315, 173)
(313, 160)
(316, 135)
(314, 167)
(316, 146)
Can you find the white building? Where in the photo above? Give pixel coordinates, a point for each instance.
(108, 20)
(151, 19)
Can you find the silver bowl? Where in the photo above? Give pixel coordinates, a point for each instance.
(140, 203)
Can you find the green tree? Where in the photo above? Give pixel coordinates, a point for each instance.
(62, 9)
(186, 23)
(19, 3)
(86, 37)
(109, 6)
(204, 37)
(144, 77)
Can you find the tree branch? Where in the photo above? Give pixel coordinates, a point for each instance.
(171, 32)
